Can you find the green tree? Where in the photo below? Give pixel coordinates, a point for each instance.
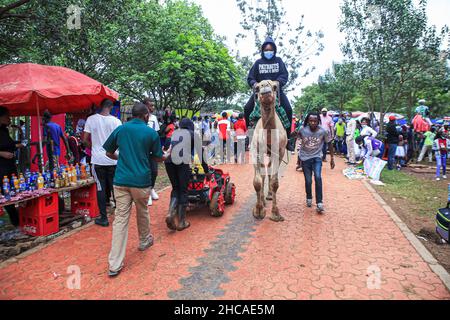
(139, 48)
(339, 84)
(392, 50)
(312, 99)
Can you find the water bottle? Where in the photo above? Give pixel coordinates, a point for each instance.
(27, 179)
(12, 189)
(78, 171)
(88, 170)
(32, 182)
(22, 184)
(6, 188)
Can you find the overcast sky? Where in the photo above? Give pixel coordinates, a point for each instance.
(323, 15)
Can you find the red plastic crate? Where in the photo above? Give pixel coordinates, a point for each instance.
(39, 226)
(84, 201)
(85, 194)
(42, 206)
(83, 208)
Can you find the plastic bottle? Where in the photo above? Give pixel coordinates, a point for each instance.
(27, 179)
(57, 180)
(78, 171)
(67, 178)
(74, 175)
(83, 172)
(40, 182)
(16, 182)
(6, 188)
(88, 171)
(12, 188)
(22, 184)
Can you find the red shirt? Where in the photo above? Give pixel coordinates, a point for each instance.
(224, 126)
(443, 145)
(240, 127)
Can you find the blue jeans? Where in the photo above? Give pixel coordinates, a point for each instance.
(441, 162)
(310, 166)
(391, 155)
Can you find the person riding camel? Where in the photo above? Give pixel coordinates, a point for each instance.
(269, 67)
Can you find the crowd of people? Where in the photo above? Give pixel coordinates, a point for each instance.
(125, 156)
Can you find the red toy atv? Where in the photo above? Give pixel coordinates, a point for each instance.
(215, 193)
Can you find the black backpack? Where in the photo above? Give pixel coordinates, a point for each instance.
(442, 222)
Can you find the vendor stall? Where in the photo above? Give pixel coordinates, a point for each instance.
(28, 90)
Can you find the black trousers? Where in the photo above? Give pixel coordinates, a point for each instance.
(248, 109)
(154, 169)
(104, 176)
(179, 176)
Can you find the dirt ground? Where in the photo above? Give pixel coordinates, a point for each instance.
(423, 225)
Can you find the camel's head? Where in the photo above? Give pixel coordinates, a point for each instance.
(266, 92)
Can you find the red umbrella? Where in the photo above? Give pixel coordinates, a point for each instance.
(28, 89)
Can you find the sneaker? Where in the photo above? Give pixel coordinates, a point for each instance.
(150, 201)
(309, 203)
(320, 208)
(154, 195)
(103, 222)
(113, 274)
(147, 244)
(438, 179)
(445, 177)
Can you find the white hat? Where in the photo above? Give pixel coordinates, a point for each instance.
(324, 110)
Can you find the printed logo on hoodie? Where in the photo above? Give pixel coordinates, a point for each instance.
(269, 68)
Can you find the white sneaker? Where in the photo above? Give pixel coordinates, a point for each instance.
(154, 195)
(445, 177)
(438, 179)
(150, 201)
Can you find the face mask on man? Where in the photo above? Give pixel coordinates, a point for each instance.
(269, 54)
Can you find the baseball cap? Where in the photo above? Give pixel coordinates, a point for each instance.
(392, 118)
(324, 110)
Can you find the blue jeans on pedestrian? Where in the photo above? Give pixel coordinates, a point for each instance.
(441, 163)
(310, 166)
(391, 155)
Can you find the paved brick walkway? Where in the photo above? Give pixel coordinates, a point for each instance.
(235, 257)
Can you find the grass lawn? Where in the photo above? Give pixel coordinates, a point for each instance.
(415, 198)
(424, 195)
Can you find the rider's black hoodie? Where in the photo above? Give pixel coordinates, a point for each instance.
(264, 69)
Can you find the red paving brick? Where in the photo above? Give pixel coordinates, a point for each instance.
(306, 257)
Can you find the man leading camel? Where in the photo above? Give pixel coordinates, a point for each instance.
(313, 137)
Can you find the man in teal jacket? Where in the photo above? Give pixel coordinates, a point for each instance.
(137, 144)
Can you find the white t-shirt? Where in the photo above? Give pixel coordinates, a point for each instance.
(100, 127)
(153, 123)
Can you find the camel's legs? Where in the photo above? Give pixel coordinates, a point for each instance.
(269, 174)
(274, 183)
(258, 183)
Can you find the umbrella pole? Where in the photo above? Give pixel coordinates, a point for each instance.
(41, 154)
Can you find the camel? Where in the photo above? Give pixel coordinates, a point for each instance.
(269, 139)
